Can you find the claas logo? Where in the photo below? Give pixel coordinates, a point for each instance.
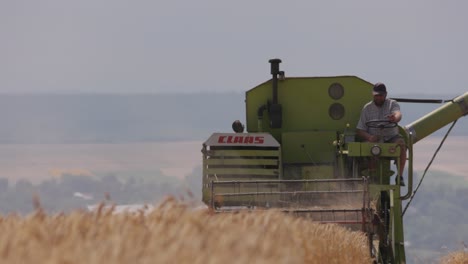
(241, 140)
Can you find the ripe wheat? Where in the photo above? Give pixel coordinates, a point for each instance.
(175, 233)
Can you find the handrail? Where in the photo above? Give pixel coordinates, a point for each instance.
(410, 168)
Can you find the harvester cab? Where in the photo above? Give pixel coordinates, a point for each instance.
(300, 154)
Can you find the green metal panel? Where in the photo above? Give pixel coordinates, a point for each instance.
(309, 147)
(306, 102)
(354, 149)
(317, 172)
(363, 149)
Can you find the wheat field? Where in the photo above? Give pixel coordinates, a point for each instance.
(459, 257)
(175, 233)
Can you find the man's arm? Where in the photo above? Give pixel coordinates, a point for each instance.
(395, 115)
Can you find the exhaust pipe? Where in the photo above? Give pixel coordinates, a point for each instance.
(274, 72)
(274, 109)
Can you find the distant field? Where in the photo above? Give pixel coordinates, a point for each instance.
(42, 161)
(451, 157)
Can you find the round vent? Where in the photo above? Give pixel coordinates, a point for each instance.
(336, 111)
(336, 91)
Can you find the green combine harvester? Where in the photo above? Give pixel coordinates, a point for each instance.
(300, 155)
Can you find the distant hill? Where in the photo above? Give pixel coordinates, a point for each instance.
(111, 118)
(93, 118)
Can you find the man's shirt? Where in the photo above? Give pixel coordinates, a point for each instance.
(373, 112)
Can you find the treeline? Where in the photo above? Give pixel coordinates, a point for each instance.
(71, 192)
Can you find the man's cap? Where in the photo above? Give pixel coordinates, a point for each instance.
(379, 88)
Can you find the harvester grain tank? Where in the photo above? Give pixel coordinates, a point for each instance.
(300, 154)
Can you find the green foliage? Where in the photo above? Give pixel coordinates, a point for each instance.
(436, 220)
(71, 192)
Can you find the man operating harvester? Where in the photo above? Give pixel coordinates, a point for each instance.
(386, 114)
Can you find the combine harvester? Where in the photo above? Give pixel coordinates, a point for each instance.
(301, 155)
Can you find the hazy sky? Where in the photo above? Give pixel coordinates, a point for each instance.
(190, 46)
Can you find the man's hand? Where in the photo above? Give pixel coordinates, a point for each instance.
(373, 138)
(394, 117)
